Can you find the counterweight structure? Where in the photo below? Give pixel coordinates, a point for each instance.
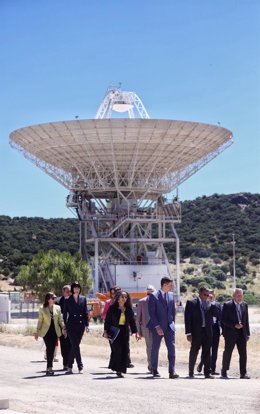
(120, 173)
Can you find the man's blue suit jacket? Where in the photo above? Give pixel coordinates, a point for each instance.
(160, 313)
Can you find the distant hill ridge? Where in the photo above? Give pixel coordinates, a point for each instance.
(206, 231)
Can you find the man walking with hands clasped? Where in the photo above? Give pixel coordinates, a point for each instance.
(235, 326)
(198, 328)
(161, 307)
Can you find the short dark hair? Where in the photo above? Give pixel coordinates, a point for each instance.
(165, 280)
(48, 296)
(204, 288)
(75, 284)
(115, 288)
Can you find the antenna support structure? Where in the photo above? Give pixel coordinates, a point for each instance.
(121, 169)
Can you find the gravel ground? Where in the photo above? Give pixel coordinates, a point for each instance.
(23, 381)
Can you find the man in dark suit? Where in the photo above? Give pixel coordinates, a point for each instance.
(235, 326)
(198, 328)
(215, 337)
(161, 308)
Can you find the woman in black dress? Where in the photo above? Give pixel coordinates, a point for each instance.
(120, 317)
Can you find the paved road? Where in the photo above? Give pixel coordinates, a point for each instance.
(23, 381)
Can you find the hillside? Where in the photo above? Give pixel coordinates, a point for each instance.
(205, 238)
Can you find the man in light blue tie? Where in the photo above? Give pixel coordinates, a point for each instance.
(235, 326)
(161, 308)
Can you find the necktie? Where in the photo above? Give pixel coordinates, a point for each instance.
(165, 298)
(203, 310)
(239, 313)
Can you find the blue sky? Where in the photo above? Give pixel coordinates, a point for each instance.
(193, 60)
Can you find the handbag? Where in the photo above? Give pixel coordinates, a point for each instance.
(113, 333)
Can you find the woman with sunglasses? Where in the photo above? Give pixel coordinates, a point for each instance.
(50, 326)
(120, 317)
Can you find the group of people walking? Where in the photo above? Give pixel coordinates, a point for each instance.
(68, 321)
(155, 319)
(204, 319)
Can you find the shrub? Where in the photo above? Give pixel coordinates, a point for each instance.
(223, 297)
(195, 260)
(218, 274)
(183, 288)
(6, 271)
(241, 286)
(249, 298)
(255, 262)
(189, 270)
(225, 268)
(217, 260)
(202, 252)
(206, 269)
(219, 285)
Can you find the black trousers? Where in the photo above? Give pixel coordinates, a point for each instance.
(120, 350)
(50, 340)
(214, 349)
(203, 341)
(75, 335)
(65, 347)
(237, 338)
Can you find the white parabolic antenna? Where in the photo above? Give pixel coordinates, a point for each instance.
(118, 172)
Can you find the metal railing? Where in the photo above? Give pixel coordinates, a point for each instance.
(25, 309)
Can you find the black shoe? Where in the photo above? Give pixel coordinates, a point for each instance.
(209, 376)
(49, 372)
(65, 368)
(244, 376)
(130, 366)
(120, 375)
(69, 371)
(173, 375)
(224, 375)
(199, 367)
(155, 373)
(214, 373)
(191, 375)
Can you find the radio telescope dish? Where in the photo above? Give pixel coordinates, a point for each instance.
(118, 172)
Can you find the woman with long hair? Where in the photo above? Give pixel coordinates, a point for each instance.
(119, 318)
(75, 315)
(50, 326)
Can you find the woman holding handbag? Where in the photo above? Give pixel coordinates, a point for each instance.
(120, 317)
(50, 326)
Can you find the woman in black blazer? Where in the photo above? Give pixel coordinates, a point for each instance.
(75, 315)
(120, 317)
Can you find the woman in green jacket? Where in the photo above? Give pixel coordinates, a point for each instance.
(50, 326)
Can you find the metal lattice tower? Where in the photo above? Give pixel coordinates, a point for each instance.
(119, 173)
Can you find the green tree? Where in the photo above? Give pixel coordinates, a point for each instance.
(49, 271)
